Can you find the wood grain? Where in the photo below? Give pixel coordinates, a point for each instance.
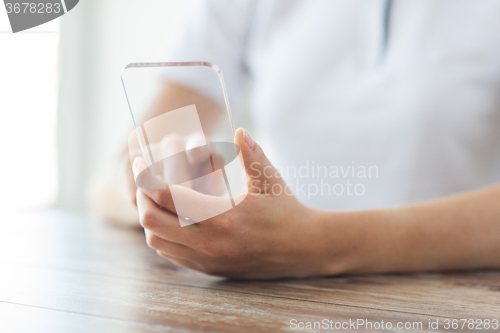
(68, 272)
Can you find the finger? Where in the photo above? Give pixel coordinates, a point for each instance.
(197, 206)
(156, 219)
(162, 198)
(181, 262)
(173, 249)
(129, 180)
(197, 149)
(160, 195)
(174, 161)
(164, 224)
(258, 167)
(143, 176)
(212, 183)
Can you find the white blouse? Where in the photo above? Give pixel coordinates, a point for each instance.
(361, 103)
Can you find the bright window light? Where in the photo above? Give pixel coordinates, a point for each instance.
(28, 113)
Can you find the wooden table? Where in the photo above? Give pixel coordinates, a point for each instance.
(68, 272)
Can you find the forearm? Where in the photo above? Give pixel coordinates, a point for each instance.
(459, 232)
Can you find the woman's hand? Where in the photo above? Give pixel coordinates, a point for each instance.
(271, 235)
(268, 235)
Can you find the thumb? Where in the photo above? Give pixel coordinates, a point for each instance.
(263, 175)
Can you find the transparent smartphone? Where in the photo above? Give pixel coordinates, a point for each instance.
(187, 146)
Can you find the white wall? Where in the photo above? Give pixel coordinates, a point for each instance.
(28, 108)
(98, 38)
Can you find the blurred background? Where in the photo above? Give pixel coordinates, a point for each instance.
(64, 114)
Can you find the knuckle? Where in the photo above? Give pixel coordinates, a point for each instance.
(224, 224)
(260, 155)
(153, 241)
(173, 140)
(148, 219)
(162, 198)
(221, 224)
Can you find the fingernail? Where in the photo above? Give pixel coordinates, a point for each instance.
(248, 139)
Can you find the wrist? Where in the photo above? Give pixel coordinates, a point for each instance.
(355, 242)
